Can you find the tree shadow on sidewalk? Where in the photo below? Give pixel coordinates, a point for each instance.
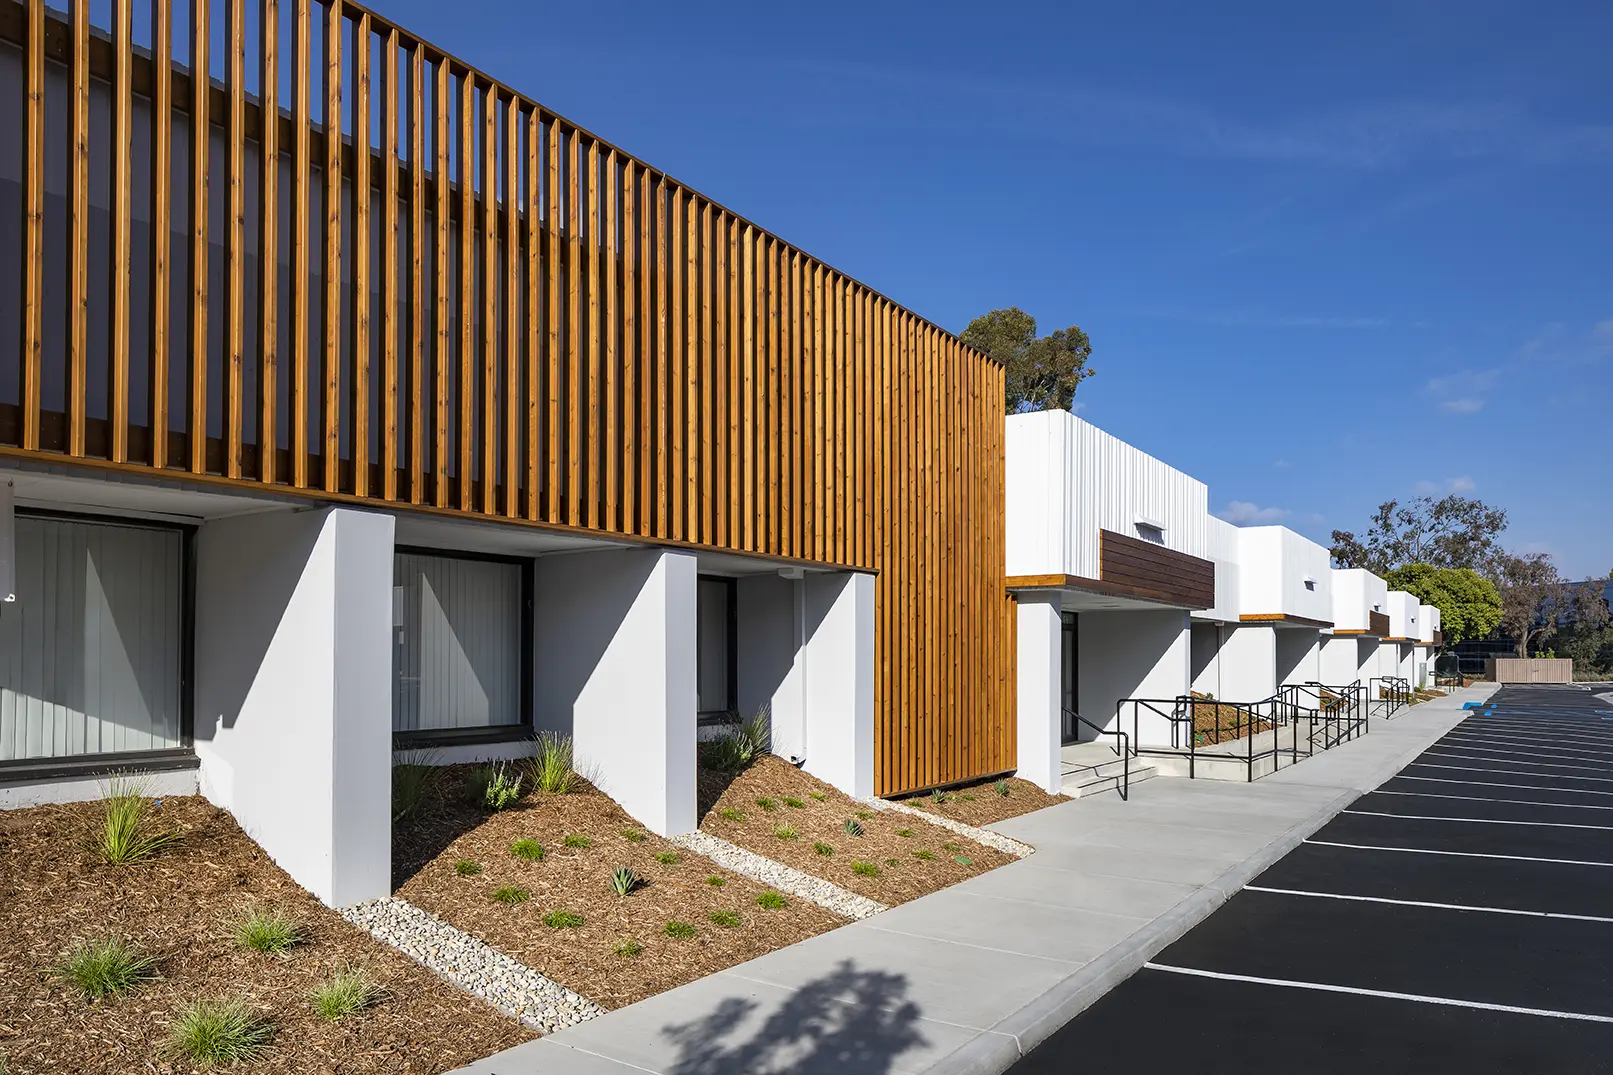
(849, 1022)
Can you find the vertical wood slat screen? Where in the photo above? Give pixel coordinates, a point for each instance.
(513, 318)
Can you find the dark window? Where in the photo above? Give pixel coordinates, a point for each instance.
(715, 648)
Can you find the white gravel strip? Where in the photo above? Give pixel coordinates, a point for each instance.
(980, 836)
(474, 966)
(776, 874)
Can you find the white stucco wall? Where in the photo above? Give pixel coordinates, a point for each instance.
(1427, 623)
(1402, 615)
(293, 699)
(1248, 664)
(769, 632)
(1066, 479)
(614, 666)
(838, 662)
(1339, 660)
(1356, 593)
(1132, 655)
(1281, 572)
(1039, 687)
(1298, 655)
(1222, 546)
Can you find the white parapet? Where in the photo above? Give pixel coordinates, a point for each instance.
(614, 667)
(293, 691)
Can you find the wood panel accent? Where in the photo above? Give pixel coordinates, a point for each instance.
(690, 379)
(1276, 618)
(1145, 567)
(1439, 638)
(122, 193)
(1378, 623)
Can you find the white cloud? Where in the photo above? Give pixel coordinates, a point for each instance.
(1247, 513)
(1315, 518)
(1077, 407)
(1465, 391)
(1462, 483)
(1463, 404)
(1557, 343)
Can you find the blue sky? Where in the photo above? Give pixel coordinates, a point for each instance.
(1327, 254)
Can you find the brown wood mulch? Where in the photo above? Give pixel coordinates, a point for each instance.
(1214, 722)
(577, 879)
(903, 874)
(177, 907)
(980, 803)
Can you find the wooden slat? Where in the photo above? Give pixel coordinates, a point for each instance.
(706, 495)
(200, 344)
(122, 193)
(574, 342)
(442, 101)
(688, 430)
(748, 487)
(514, 401)
(632, 355)
(736, 363)
(235, 237)
(361, 256)
(608, 244)
(79, 232)
(467, 290)
(417, 262)
(590, 266)
(300, 297)
(490, 366)
(646, 358)
(534, 296)
(333, 245)
(268, 238)
(552, 315)
(390, 223)
(660, 489)
(676, 359)
(723, 442)
(33, 259)
(772, 425)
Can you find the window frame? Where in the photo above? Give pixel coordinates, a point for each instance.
(710, 717)
(493, 733)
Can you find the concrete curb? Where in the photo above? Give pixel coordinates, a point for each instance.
(1007, 1041)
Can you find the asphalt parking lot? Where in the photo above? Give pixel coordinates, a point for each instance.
(1459, 918)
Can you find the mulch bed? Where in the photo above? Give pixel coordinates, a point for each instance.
(903, 875)
(451, 829)
(1217, 723)
(981, 803)
(176, 907)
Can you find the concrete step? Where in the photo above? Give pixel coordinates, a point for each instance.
(1082, 784)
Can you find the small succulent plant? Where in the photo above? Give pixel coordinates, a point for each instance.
(853, 827)
(624, 882)
(1001, 788)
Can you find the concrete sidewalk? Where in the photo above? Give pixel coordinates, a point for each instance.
(970, 978)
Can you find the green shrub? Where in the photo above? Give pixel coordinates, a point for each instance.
(864, 869)
(767, 804)
(728, 813)
(217, 1032)
(345, 992)
(577, 840)
(551, 766)
(853, 827)
(794, 804)
(822, 848)
(127, 832)
(954, 848)
(785, 832)
(511, 894)
(267, 930)
(624, 882)
(562, 920)
(737, 747)
(904, 833)
(412, 783)
(680, 930)
(496, 787)
(818, 795)
(633, 836)
(716, 881)
(892, 862)
(772, 901)
(666, 858)
(938, 797)
(1001, 788)
(467, 868)
(864, 815)
(924, 854)
(108, 965)
(967, 796)
(725, 919)
(527, 848)
(627, 949)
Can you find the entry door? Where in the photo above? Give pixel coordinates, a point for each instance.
(1070, 732)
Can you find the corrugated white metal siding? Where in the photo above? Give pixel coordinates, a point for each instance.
(1222, 547)
(457, 651)
(1402, 614)
(1282, 572)
(90, 651)
(1068, 479)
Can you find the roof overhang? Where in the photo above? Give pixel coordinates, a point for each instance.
(1283, 619)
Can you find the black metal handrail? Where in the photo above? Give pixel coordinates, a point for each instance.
(1340, 710)
(1125, 749)
(1389, 693)
(1250, 720)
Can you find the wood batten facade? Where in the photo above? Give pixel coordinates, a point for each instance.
(512, 319)
(1140, 570)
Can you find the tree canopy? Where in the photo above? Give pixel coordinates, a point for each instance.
(1537, 602)
(1469, 604)
(1041, 373)
(1453, 531)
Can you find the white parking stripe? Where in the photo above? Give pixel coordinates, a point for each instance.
(1423, 903)
(1499, 784)
(1481, 820)
(1477, 755)
(1322, 987)
(1557, 748)
(1505, 772)
(1459, 854)
(1490, 799)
